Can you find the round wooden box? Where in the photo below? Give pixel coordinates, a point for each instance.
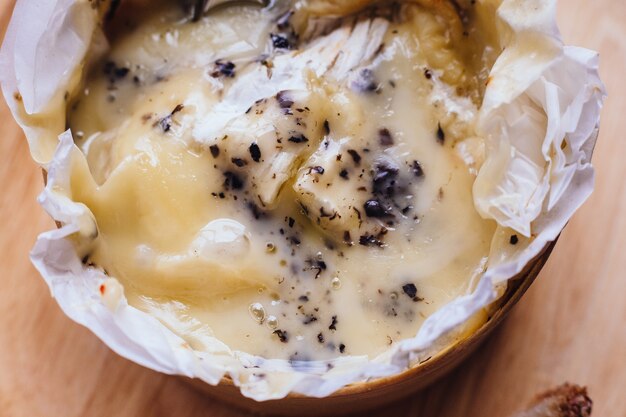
(375, 393)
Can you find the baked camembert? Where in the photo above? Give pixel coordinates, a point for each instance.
(294, 180)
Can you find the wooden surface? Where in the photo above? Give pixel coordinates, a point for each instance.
(571, 326)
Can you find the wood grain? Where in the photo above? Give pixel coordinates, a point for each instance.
(571, 326)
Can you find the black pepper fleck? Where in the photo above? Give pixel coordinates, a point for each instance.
(255, 152)
(411, 290)
(385, 178)
(355, 156)
(385, 137)
(232, 181)
(166, 122)
(283, 336)
(417, 169)
(223, 68)
(298, 139)
(514, 240)
(375, 209)
(333, 323)
(215, 150)
(366, 82)
(326, 127)
(239, 162)
(284, 100)
(316, 265)
(347, 238)
(317, 170)
(370, 240)
(441, 136)
(280, 41)
(114, 72)
(256, 212)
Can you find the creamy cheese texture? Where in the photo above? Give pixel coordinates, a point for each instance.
(295, 180)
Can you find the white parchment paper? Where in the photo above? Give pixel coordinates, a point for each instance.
(539, 119)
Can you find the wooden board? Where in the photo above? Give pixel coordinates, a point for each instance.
(571, 326)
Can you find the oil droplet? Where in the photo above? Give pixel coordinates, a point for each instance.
(393, 295)
(270, 247)
(257, 312)
(335, 283)
(272, 322)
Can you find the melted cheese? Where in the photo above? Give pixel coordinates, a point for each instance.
(298, 203)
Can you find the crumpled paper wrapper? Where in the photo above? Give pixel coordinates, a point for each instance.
(539, 121)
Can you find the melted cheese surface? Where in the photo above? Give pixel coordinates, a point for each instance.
(298, 197)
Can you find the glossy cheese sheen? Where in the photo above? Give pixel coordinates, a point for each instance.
(300, 203)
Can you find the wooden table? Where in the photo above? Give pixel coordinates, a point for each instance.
(571, 326)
